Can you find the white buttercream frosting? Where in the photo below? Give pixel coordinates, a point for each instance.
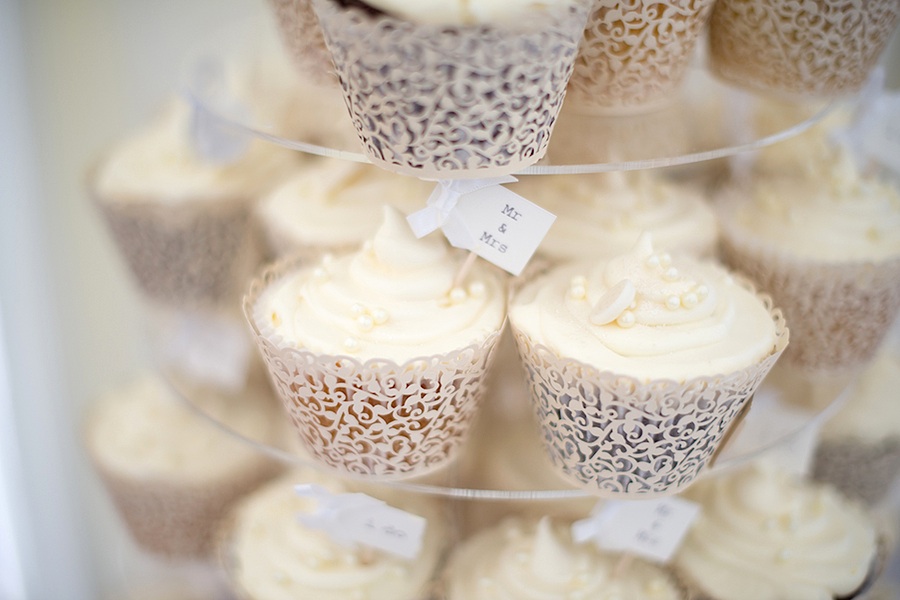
(830, 212)
(160, 163)
(602, 215)
(275, 557)
(647, 315)
(332, 203)
(872, 412)
(395, 298)
(539, 561)
(463, 12)
(143, 430)
(765, 535)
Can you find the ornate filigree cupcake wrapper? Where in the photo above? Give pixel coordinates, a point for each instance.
(451, 101)
(191, 254)
(819, 49)
(379, 417)
(634, 55)
(622, 438)
(838, 312)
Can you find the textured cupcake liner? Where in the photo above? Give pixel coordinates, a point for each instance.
(453, 101)
(619, 437)
(176, 519)
(864, 471)
(302, 38)
(378, 417)
(197, 253)
(838, 313)
(815, 48)
(634, 55)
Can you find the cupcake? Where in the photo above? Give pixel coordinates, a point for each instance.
(332, 205)
(537, 559)
(639, 365)
(813, 49)
(379, 356)
(269, 554)
(764, 535)
(302, 38)
(859, 447)
(601, 216)
(171, 473)
(182, 222)
(443, 90)
(634, 55)
(826, 245)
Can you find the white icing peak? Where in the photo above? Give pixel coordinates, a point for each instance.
(551, 560)
(396, 246)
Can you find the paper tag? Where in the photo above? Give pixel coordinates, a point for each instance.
(652, 529)
(881, 141)
(360, 519)
(209, 349)
(212, 106)
(483, 216)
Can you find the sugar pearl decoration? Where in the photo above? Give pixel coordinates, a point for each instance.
(365, 322)
(380, 315)
(626, 319)
(665, 259)
(614, 303)
(458, 295)
(351, 344)
(673, 302)
(689, 300)
(476, 289)
(357, 310)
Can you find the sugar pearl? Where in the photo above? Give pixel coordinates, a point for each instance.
(457, 295)
(665, 259)
(365, 322)
(577, 292)
(477, 289)
(626, 319)
(653, 261)
(702, 291)
(673, 302)
(670, 274)
(380, 315)
(690, 300)
(357, 310)
(351, 344)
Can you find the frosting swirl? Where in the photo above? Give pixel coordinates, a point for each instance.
(540, 562)
(463, 12)
(763, 535)
(602, 215)
(647, 315)
(275, 557)
(393, 299)
(831, 212)
(332, 203)
(871, 412)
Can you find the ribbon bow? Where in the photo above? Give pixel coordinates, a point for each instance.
(441, 209)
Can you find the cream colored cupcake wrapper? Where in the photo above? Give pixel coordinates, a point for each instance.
(838, 313)
(819, 49)
(452, 101)
(634, 55)
(861, 470)
(197, 253)
(302, 38)
(179, 519)
(620, 438)
(378, 417)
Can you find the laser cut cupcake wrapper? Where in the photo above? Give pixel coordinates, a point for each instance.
(375, 418)
(635, 54)
(452, 101)
(620, 438)
(815, 48)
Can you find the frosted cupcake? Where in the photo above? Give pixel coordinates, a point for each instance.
(270, 555)
(182, 222)
(172, 474)
(538, 560)
(302, 38)
(764, 535)
(639, 365)
(818, 49)
(859, 448)
(826, 245)
(453, 89)
(602, 216)
(634, 55)
(379, 356)
(333, 205)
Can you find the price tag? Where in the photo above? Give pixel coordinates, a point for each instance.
(483, 216)
(360, 519)
(652, 529)
(209, 349)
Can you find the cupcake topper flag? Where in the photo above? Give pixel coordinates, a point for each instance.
(484, 217)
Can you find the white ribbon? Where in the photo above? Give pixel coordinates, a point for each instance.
(440, 211)
(331, 510)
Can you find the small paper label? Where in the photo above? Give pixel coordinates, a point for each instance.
(652, 529)
(209, 349)
(213, 105)
(360, 519)
(483, 216)
(882, 140)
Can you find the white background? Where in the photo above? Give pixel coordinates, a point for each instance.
(74, 75)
